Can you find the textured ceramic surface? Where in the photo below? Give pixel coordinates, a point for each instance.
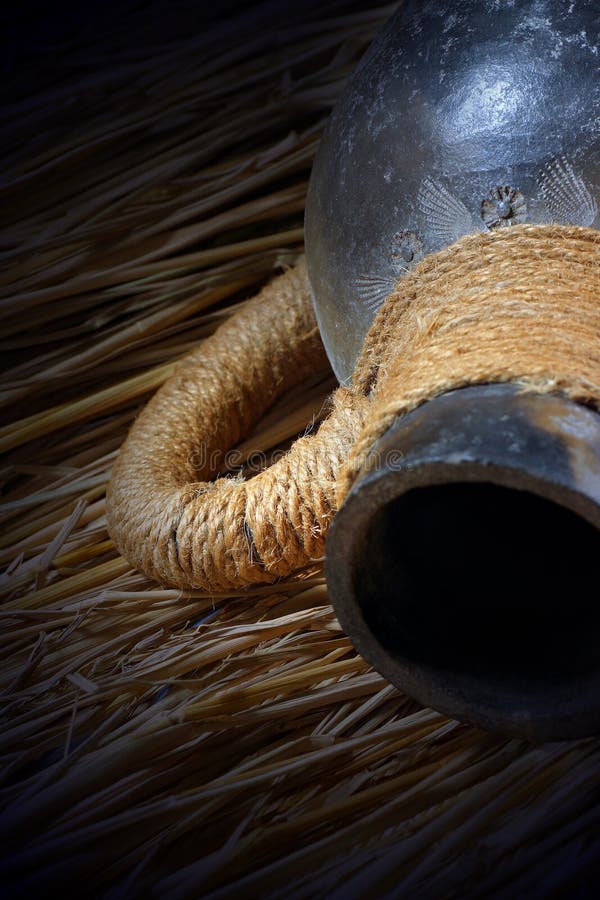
(463, 116)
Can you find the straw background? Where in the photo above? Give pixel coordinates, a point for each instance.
(172, 745)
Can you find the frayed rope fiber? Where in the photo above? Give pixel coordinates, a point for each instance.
(518, 305)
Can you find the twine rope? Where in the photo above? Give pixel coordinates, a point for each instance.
(517, 305)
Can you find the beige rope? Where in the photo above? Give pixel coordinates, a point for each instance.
(519, 304)
(164, 514)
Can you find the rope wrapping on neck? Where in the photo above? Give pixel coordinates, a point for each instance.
(519, 305)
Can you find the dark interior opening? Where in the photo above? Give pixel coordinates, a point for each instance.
(489, 581)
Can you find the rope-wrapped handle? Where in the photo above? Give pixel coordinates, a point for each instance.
(521, 304)
(168, 518)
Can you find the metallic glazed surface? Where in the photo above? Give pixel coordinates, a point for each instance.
(462, 116)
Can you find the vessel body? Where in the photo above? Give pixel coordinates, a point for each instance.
(463, 116)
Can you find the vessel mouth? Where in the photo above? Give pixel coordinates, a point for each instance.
(484, 581)
(472, 584)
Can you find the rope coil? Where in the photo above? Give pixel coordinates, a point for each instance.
(515, 305)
